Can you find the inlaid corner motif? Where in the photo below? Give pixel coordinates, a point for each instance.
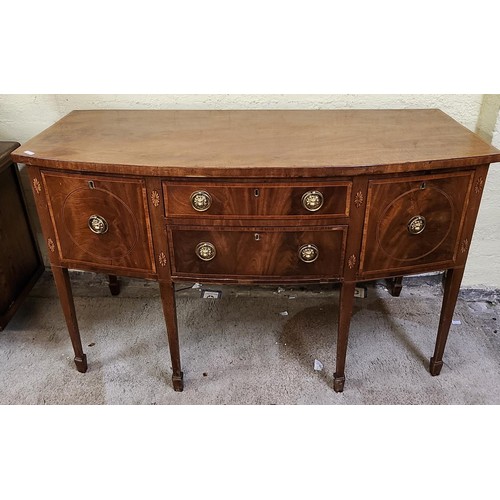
(162, 259)
(352, 261)
(359, 199)
(155, 198)
(479, 185)
(37, 186)
(465, 246)
(51, 245)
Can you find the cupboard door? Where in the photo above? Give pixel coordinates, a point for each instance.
(100, 220)
(413, 222)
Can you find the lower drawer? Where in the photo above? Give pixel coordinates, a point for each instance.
(257, 252)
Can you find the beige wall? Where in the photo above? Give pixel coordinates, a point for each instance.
(483, 265)
(23, 116)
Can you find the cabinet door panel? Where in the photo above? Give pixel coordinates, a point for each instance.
(413, 222)
(125, 241)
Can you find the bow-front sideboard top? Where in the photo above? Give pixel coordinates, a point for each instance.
(258, 197)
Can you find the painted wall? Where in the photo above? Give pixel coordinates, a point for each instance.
(23, 116)
(483, 265)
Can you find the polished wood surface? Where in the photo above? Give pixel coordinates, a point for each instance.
(269, 143)
(376, 171)
(20, 261)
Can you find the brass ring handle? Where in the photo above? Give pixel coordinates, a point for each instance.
(416, 224)
(201, 201)
(308, 253)
(312, 200)
(205, 251)
(98, 224)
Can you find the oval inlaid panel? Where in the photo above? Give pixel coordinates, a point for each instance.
(393, 236)
(123, 227)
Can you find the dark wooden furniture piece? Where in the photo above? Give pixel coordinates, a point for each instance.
(20, 261)
(258, 197)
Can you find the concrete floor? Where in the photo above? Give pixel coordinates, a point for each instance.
(242, 349)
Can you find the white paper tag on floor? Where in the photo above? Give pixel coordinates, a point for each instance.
(318, 365)
(456, 322)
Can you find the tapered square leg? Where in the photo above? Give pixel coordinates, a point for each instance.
(394, 285)
(345, 309)
(167, 292)
(452, 281)
(114, 284)
(63, 285)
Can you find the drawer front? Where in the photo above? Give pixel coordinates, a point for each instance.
(413, 222)
(258, 252)
(100, 220)
(264, 200)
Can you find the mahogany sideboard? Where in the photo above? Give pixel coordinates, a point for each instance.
(258, 197)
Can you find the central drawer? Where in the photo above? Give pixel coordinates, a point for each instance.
(240, 201)
(257, 252)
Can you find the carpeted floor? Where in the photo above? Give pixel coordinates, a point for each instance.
(242, 349)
